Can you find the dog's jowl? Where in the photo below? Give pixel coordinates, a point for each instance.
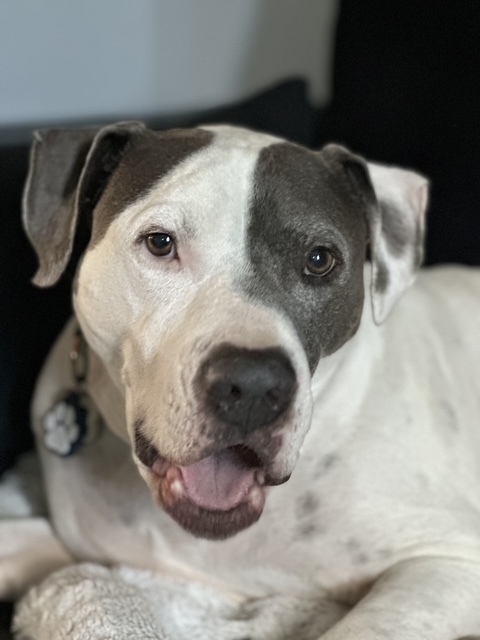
(287, 438)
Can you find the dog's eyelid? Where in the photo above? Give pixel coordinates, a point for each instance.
(153, 229)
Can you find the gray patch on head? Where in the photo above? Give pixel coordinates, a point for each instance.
(147, 157)
(302, 200)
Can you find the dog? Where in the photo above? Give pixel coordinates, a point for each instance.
(255, 404)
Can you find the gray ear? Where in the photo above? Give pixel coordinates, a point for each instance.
(69, 168)
(395, 202)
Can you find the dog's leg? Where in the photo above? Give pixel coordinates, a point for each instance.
(29, 551)
(85, 602)
(427, 598)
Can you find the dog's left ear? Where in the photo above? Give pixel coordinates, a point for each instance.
(395, 201)
(397, 234)
(69, 169)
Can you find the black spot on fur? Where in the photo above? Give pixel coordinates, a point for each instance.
(307, 505)
(307, 529)
(361, 558)
(325, 464)
(449, 412)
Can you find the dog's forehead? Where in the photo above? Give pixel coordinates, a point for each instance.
(210, 165)
(148, 157)
(302, 191)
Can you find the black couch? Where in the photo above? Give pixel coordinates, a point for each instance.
(406, 91)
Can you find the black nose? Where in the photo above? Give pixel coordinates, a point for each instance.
(249, 388)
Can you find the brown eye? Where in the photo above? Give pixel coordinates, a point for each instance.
(160, 244)
(319, 262)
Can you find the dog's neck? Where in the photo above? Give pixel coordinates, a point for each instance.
(337, 378)
(106, 395)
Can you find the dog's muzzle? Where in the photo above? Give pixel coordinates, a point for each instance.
(246, 397)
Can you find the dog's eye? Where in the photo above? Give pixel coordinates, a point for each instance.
(160, 244)
(320, 262)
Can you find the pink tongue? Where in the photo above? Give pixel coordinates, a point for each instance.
(219, 482)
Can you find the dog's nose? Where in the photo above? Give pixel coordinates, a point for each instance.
(249, 388)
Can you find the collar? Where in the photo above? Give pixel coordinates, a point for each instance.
(73, 421)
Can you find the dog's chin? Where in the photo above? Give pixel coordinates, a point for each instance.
(214, 498)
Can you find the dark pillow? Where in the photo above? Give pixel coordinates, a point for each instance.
(407, 91)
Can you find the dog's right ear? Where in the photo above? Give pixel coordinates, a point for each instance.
(69, 169)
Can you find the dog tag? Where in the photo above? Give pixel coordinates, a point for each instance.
(70, 424)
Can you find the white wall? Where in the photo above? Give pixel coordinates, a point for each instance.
(78, 59)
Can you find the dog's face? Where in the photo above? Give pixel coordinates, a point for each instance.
(221, 266)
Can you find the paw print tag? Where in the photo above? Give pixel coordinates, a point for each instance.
(69, 424)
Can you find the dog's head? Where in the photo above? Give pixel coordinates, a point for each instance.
(220, 266)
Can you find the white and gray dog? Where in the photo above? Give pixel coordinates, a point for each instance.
(313, 459)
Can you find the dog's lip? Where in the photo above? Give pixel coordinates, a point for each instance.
(238, 511)
(215, 497)
(158, 465)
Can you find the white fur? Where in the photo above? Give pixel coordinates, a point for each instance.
(388, 474)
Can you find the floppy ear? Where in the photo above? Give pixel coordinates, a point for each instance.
(397, 234)
(69, 169)
(395, 201)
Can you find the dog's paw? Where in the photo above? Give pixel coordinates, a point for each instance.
(286, 618)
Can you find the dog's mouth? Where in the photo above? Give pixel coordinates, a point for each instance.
(217, 496)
